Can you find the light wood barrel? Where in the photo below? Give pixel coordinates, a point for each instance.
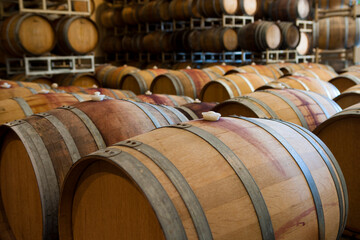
(341, 134)
(218, 39)
(27, 34)
(337, 32)
(35, 79)
(305, 45)
(259, 36)
(139, 82)
(216, 8)
(113, 93)
(186, 82)
(258, 69)
(210, 173)
(194, 110)
(41, 149)
(85, 80)
(76, 35)
(247, 7)
(231, 86)
(289, 10)
(290, 35)
(354, 68)
(310, 84)
(349, 97)
(21, 107)
(18, 92)
(307, 109)
(164, 99)
(336, 4)
(221, 70)
(321, 74)
(316, 65)
(346, 80)
(33, 85)
(110, 76)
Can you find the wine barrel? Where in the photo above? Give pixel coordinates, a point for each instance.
(183, 65)
(263, 7)
(139, 82)
(305, 45)
(33, 85)
(349, 97)
(110, 76)
(341, 134)
(183, 9)
(157, 42)
(130, 14)
(155, 11)
(218, 39)
(231, 86)
(65, 135)
(12, 92)
(30, 34)
(307, 109)
(315, 65)
(288, 187)
(216, 8)
(76, 35)
(180, 40)
(164, 99)
(337, 32)
(133, 43)
(310, 84)
(321, 74)
(289, 10)
(346, 80)
(354, 68)
(194, 110)
(83, 6)
(112, 93)
(35, 79)
(186, 82)
(259, 36)
(111, 17)
(262, 70)
(247, 7)
(21, 107)
(85, 80)
(290, 35)
(336, 4)
(221, 70)
(194, 40)
(112, 44)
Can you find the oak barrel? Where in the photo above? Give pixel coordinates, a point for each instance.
(247, 7)
(164, 99)
(231, 86)
(336, 4)
(130, 14)
(85, 80)
(112, 93)
(259, 36)
(112, 44)
(186, 82)
(307, 109)
(139, 82)
(305, 45)
(262, 70)
(157, 42)
(37, 152)
(337, 32)
(290, 35)
(221, 70)
(194, 110)
(216, 8)
(111, 17)
(310, 84)
(341, 134)
(155, 11)
(218, 39)
(21, 107)
(346, 80)
(76, 35)
(183, 9)
(11, 92)
(35, 79)
(110, 76)
(28, 33)
(214, 180)
(321, 74)
(33, 85)
(349, 97)
(289, 10)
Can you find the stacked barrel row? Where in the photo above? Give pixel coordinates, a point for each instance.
(84, 172)
(35, 35)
